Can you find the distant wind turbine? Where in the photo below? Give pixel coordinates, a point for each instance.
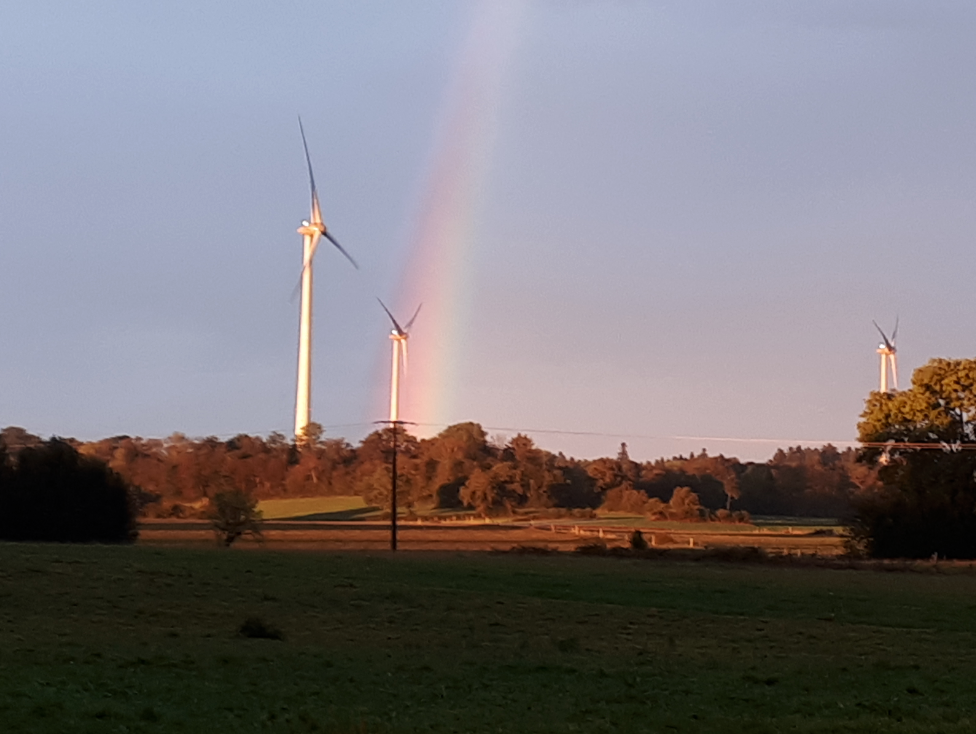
(312, 230)
(399, 335)
(889, 356)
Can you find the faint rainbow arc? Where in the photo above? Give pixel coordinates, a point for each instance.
(444, 233)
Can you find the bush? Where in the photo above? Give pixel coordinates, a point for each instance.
(257, 629)
(234, 513)
(52, 493)
(637, 541)
(894, 524)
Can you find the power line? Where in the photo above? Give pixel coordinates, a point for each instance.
(948, 447)
(600, 434)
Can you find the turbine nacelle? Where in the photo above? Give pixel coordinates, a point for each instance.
(310, 230)
(399, 336)
(400, 332)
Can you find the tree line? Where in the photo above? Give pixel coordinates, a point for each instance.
(462, 469)
(910, 491)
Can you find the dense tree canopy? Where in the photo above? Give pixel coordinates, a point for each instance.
(461, 468)
(922, 439)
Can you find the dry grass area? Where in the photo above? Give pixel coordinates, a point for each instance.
(424, 536)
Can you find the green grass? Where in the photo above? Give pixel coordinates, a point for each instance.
(141, 639)
(326, 508)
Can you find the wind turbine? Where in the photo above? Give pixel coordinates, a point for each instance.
(399, 335)
(889, 356)
(312, 230)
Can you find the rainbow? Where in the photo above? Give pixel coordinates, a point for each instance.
(443, 228)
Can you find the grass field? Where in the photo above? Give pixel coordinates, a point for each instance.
(143, 639)
(421, 534)
(326, 508)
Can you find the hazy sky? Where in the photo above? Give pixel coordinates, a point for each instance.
(686, 216)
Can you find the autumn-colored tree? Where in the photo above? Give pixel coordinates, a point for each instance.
(535, 471)
(492, 490)
(445, 462)
(684, 505)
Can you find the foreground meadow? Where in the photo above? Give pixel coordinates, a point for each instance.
(146, 639)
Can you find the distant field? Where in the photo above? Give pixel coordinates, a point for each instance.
(305, 507)
(142, 639)
(347, 523)
(639, 521)
(756, 523)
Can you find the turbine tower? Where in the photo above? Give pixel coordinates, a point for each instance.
(312, 230)
(399, 336)
(889, 356)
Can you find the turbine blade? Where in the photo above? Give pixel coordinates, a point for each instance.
(412, 319)
(340, 249)
(887, 343)
(894, 334)
(316, 210)
(395, 324)
(316, 214)
(403, 356)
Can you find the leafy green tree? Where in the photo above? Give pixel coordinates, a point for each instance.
(928, 501)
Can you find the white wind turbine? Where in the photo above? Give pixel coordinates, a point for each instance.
(312, 230)
(399, 336)
(889, 356)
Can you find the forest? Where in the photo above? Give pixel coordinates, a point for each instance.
(461, 468)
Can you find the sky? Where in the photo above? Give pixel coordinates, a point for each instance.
(665, 223)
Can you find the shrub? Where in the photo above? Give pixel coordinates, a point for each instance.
(257, 629)
(234, 513)
(637, 541)
(52, 493)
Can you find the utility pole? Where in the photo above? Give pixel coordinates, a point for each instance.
(394, 424)
(393, 491)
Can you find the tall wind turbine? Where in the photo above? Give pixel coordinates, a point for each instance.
(399, 336)
(889, 356)
(312, 230)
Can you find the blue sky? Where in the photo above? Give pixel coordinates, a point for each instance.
(691, 214)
